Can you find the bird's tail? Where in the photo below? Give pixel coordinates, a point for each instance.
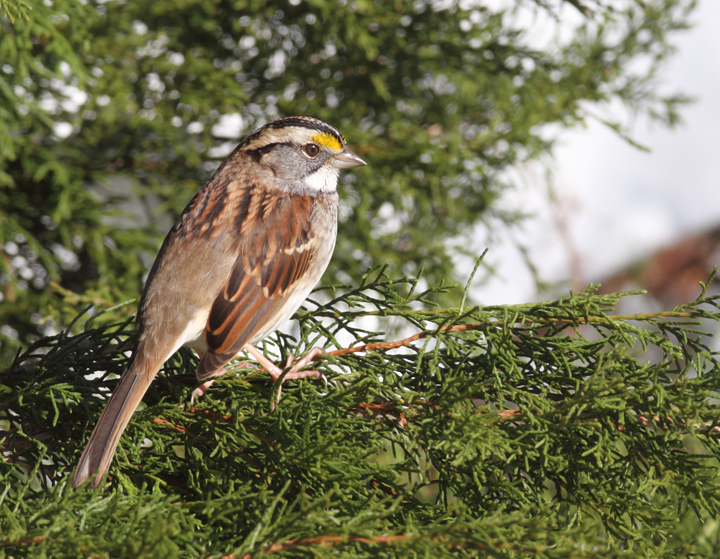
(98, 454)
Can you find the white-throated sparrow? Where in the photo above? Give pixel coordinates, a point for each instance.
(245, 253)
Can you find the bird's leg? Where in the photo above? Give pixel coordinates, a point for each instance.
(200, 390)
(309, 356)
(294, 373)
(269, 366)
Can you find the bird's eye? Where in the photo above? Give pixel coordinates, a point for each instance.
(311, 150)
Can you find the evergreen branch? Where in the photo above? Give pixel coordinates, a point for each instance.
(641, 317)
(337, 541)
(15, 8)
(74, 298)
(501, 409)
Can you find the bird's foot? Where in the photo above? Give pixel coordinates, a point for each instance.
(200, 390)
(294, 373)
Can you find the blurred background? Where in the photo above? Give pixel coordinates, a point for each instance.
(573, 138)
(607, 212)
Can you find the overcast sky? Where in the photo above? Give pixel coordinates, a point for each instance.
(620, 203)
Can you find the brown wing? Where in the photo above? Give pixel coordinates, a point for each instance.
(276, 249)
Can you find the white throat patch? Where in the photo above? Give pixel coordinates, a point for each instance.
(325, 179)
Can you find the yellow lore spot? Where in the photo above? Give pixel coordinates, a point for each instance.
(327, 140)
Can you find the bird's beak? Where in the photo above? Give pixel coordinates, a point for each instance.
(346, 159)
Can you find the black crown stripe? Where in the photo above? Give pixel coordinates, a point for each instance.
(310, 123)
(307, 122)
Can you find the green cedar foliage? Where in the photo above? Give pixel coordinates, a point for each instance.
(109, 114)
(539, 430)
(545, 430)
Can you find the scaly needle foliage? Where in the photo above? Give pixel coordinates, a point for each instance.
(548, 430)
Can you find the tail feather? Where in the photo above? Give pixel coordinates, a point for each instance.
(99, 452)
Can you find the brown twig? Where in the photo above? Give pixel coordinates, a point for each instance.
(161, 421)
(398, 343)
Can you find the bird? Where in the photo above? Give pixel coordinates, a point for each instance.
(243, 256)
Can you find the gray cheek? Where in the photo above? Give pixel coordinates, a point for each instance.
(289, 164)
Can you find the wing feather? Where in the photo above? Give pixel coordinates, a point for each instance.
(274, 255)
